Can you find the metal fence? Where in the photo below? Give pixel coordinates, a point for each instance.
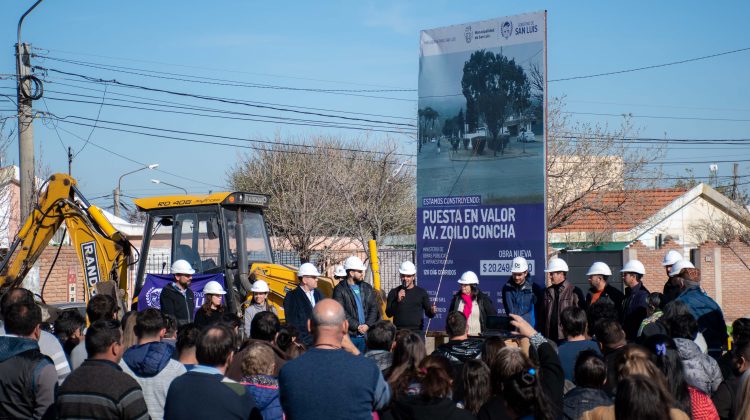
(390, 260)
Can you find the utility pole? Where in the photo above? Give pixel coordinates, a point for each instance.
(70, 161)
(735, 176)
(25, 98)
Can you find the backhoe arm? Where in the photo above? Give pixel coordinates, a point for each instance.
(102, 250)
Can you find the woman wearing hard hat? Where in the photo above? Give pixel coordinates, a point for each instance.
(259, 303)
(213, 307)
(474, 304)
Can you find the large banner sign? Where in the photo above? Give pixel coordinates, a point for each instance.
(151, 290)
(481, 154)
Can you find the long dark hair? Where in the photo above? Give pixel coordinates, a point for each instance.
(667, 359)
(640, 398)
(407, 355)
(515, 377)
(206, 307)
(434, 377)
(474, 291)
(477, 389)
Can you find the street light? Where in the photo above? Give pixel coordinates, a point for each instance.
(156, 181)
(119, 181)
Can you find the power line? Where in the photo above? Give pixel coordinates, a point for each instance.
(98, 114)
(216, 143)
(224, 82)
(219, 99)
(662, 117)
(341, 82)
(673, 63)
(135, 161)
(277, 120)
(54, 81)
(59, 118)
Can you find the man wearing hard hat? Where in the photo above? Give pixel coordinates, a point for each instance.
(559, 295)
(672, 287)
(408, 302)
(636, 295)
(176, 299)
(601, 290)
(521, 296)
(705, 310)
(358, 299)
(299, 303)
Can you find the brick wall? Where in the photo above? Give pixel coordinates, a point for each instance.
(56, 290)
(656, 275)
(725, 273)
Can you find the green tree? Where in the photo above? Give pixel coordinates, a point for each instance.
(495, 87)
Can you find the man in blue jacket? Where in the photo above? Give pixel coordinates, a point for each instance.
(521, 296)
(705, 310)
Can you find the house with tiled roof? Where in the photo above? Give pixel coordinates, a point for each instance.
(651, 216)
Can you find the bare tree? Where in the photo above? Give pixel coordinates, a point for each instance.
(303, 211)
(378, 192)
(586, 162)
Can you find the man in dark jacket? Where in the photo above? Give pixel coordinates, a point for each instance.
(358, 300)
(409, 303)
(672, 286)
(204, 392)
(636, 298)
(28, 378)
(299, 303)
(459, 349)
(559, 295)
(600, 289)
(521, 296)
(99, 389)
(590, 376)
(176, 299)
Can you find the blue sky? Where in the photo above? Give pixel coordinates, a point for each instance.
(362, 45)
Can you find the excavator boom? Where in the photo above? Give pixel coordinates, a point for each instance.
(102, 250)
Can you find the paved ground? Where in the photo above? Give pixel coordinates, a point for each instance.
(516, 177)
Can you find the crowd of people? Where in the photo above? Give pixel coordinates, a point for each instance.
(567, 355)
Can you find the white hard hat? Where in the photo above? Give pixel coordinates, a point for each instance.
(599, 268)
(214, 288)
(556, 264)
(308, 269)
(260, 286)
(468, 278)
(671, 257)
(339, 271)
(182, 267)
(678, 266)
(354, 263)
(519, 265)
(407, 268)
(634, 266)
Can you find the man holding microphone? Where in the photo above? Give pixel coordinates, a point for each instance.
(407, 303)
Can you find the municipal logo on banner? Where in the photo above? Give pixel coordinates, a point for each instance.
(152, 297)
(468, 34)
(506, 30)
(151, 291)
